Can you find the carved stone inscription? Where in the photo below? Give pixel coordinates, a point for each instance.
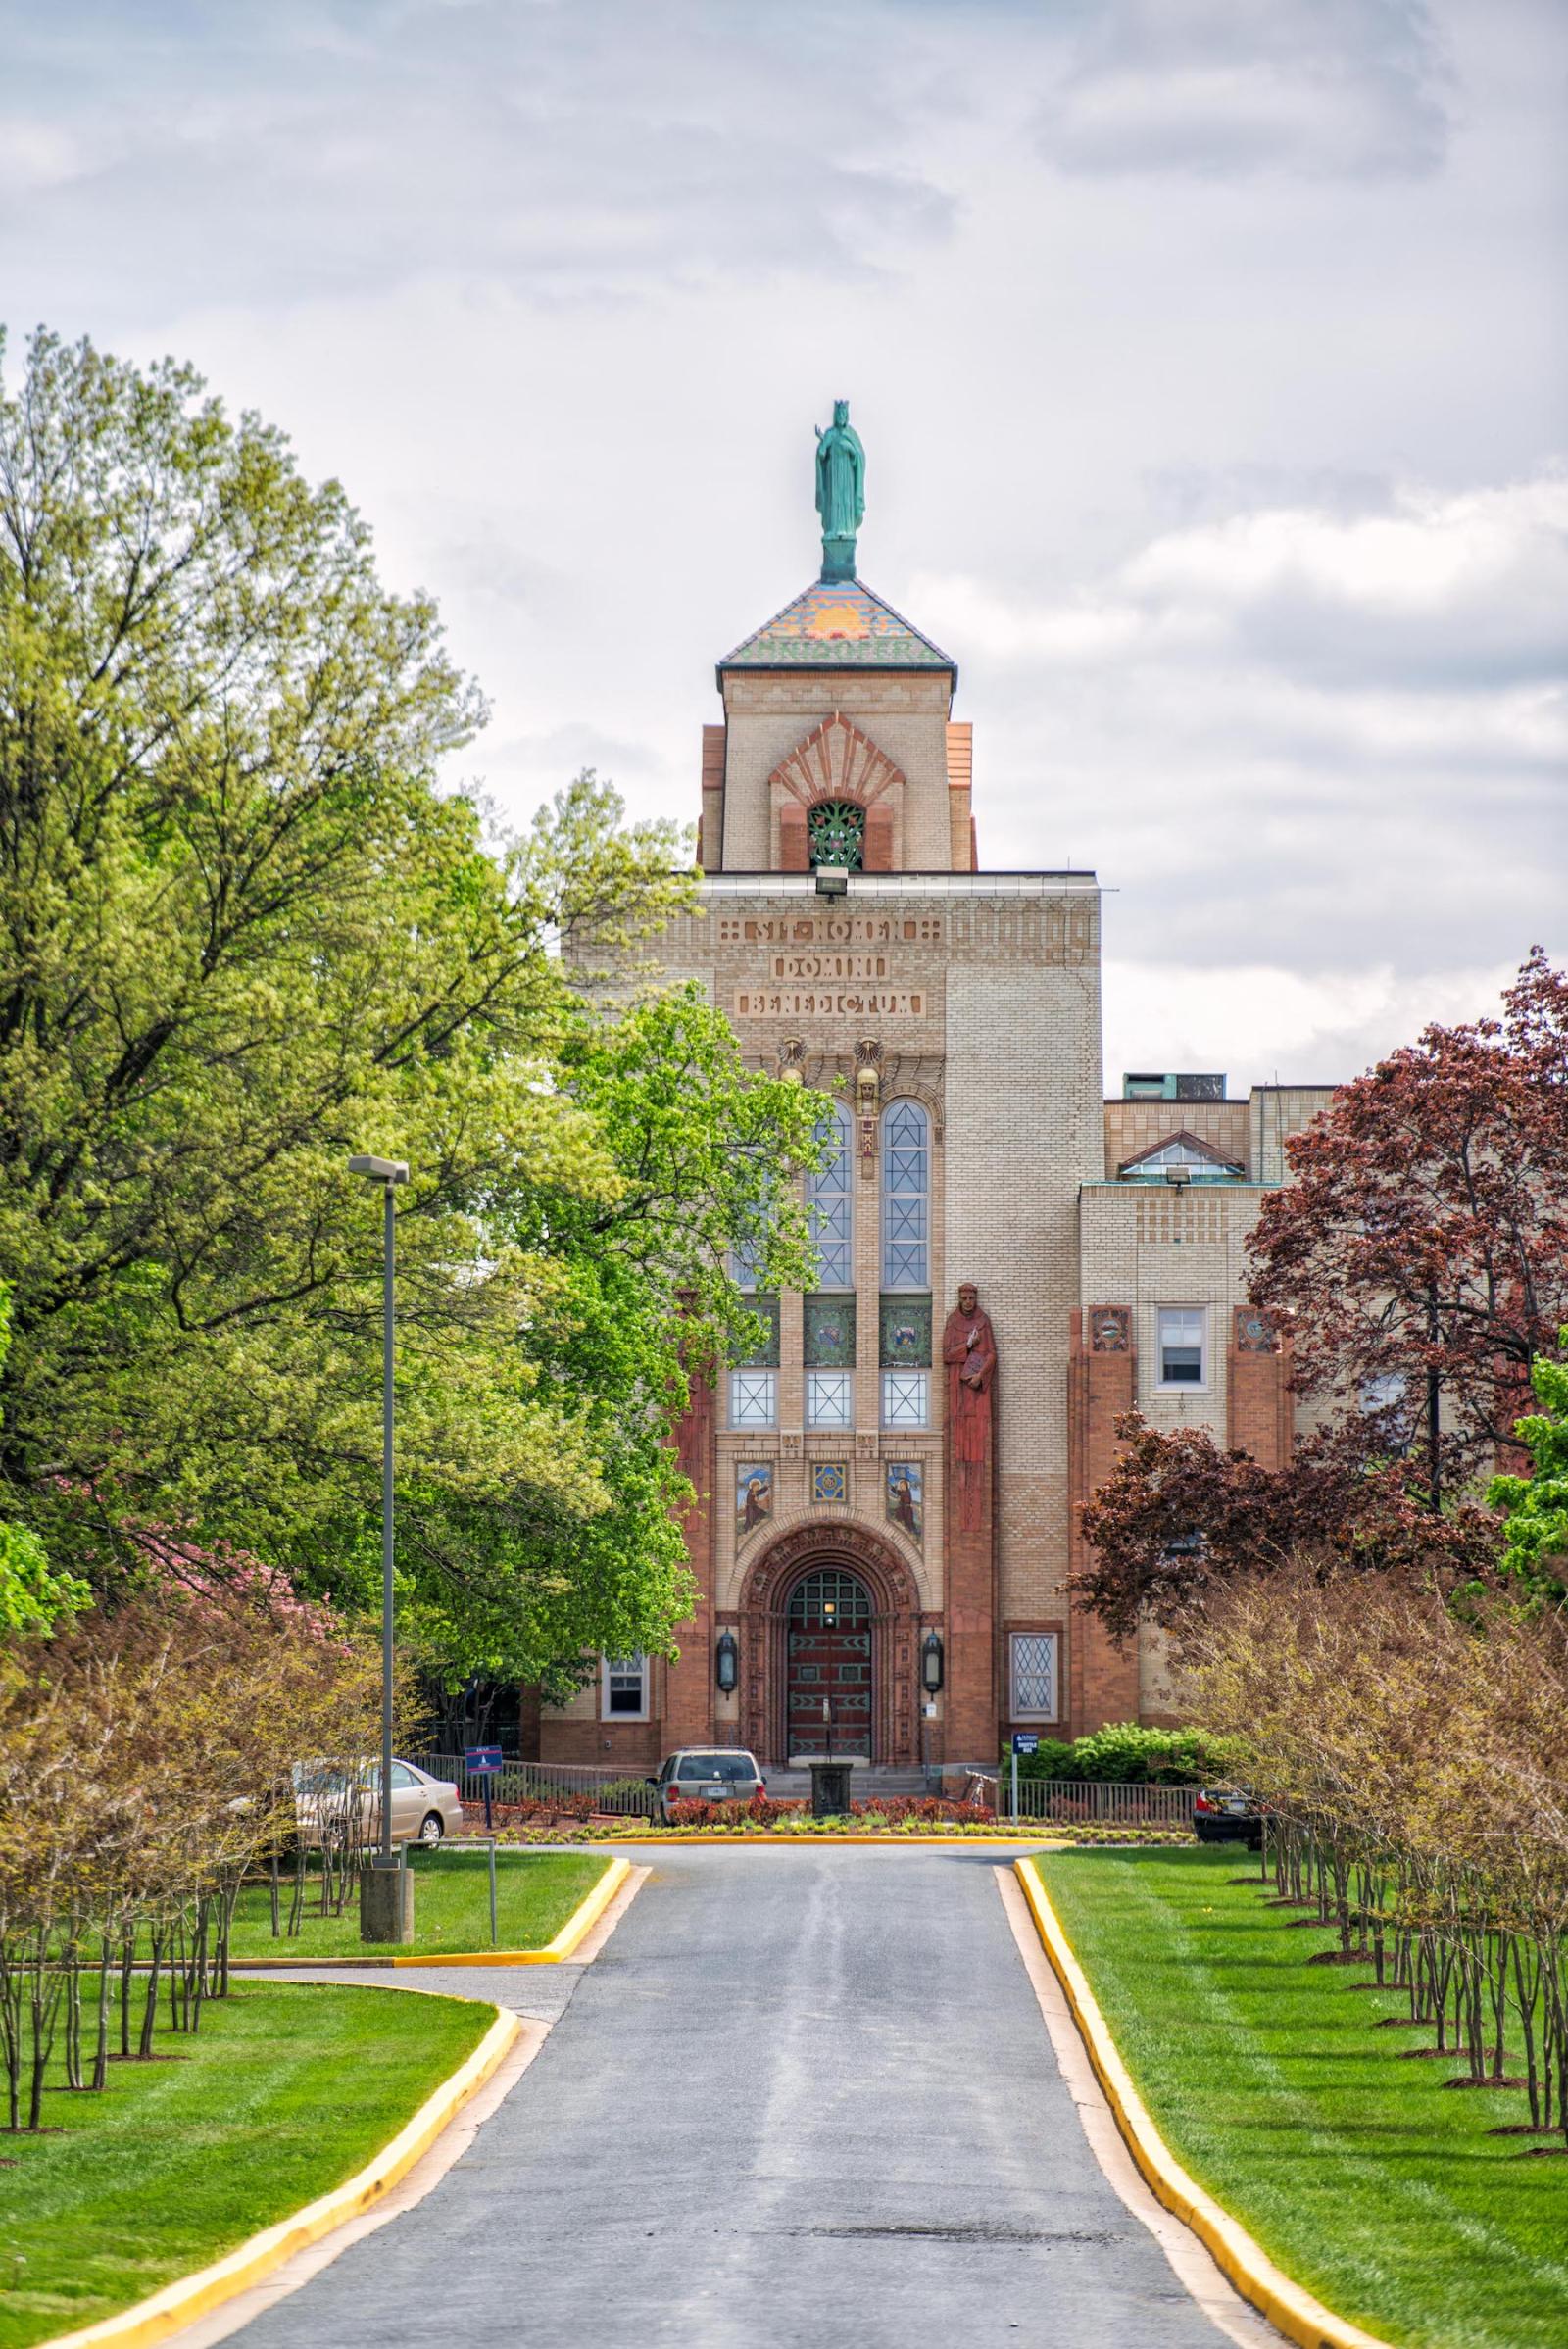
(830, 929)
(792, 1002)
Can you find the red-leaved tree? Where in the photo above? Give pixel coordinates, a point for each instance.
(1419, 1252)
(1178, 1519)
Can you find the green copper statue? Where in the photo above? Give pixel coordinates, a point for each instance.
(840, 491)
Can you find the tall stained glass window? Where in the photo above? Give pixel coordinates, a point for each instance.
(830, 1200)
(906, 1196)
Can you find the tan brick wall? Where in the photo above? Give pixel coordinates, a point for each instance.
(1134, 1126)
(1276, 1112)
(996, 1030)
(769, 712)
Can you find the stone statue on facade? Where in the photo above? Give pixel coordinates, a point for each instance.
(840, 491)
(970, 1351)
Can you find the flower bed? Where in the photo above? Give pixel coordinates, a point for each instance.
(573, 1820)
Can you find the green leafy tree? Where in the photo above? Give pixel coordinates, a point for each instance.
(643, 1300)
(243, 933)
(1535, 1507)
(34, 1598)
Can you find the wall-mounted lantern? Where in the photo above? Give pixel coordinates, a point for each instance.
(931, 1663)
(727, 1662)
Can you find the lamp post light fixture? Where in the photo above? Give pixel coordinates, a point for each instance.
(931, 1663)
(389, 1173)
(727, 1662)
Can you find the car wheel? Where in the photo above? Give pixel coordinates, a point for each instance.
(432, 1829)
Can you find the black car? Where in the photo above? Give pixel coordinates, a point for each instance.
(1227, 1815)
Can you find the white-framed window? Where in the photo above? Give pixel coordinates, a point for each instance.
(906, 1196)
(1034, 1676)
(624, 1692)
(753, 1399)
(830, 1201)
(829, 1398)
(905, 1398)
(1182, 1353)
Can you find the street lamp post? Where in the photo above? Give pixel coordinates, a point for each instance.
(382, 1904)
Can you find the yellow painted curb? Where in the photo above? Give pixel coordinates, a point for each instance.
(578, 1926)
(1246, 2263)
(180, 2304)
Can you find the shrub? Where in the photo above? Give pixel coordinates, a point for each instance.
(1126, 1753)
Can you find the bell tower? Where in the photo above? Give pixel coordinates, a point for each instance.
(836, 747)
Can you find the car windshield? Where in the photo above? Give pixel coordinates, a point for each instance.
(730, 1768)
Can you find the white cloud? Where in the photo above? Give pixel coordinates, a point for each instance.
(1261, 1023)
(1438, 587)
(1311, 89)
(1146, 308)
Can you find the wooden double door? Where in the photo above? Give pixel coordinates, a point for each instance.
(828, 1665)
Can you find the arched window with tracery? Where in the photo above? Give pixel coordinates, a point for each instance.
(906, 1196)
(830, 1201)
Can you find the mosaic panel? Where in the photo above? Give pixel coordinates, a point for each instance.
(753, 1495)
(906, 1333)
(830, 1480)
(905, 1497)
(766, 1308)
(829, 1322)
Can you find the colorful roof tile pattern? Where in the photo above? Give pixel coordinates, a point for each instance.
(838, 623)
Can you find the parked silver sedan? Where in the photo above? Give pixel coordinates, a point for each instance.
(424, 1809)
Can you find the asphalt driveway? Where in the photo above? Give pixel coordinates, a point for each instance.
(802, 2097)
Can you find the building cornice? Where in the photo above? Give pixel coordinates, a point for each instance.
(903, 885)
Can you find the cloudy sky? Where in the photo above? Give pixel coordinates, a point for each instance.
(1210, 356)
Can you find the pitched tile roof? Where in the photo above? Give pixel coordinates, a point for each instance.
(838, 623)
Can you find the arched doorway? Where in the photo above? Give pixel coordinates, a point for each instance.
(895, 1623)
(827, 1688)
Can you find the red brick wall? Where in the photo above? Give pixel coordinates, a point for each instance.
(1260, 1416)
(635, 1746)
(710, 837)
(1102, 1678)
(688, 1706)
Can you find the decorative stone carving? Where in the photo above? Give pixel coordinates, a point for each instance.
(1110, 1329)
(1254, 1332)
(836, 762)
(792, 1061)
(970, 1351)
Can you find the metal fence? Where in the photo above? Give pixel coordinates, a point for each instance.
(1079, 1802)
(623, 1793)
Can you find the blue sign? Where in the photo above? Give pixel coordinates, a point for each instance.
(1025, 1742)
(482, 1761)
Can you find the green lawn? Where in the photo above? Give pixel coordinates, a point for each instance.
(536, 1891)
(1363, 2176)
(287, 2090)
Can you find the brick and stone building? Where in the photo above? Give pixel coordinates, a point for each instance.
(950, 1018)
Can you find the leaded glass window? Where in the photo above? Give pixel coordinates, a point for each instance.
(829, 1200)
(1034, 1676)
(906, 1196)
(834, 831)
(829, 1398)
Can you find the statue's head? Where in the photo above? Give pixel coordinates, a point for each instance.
(840, 412)
(968, 1297)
